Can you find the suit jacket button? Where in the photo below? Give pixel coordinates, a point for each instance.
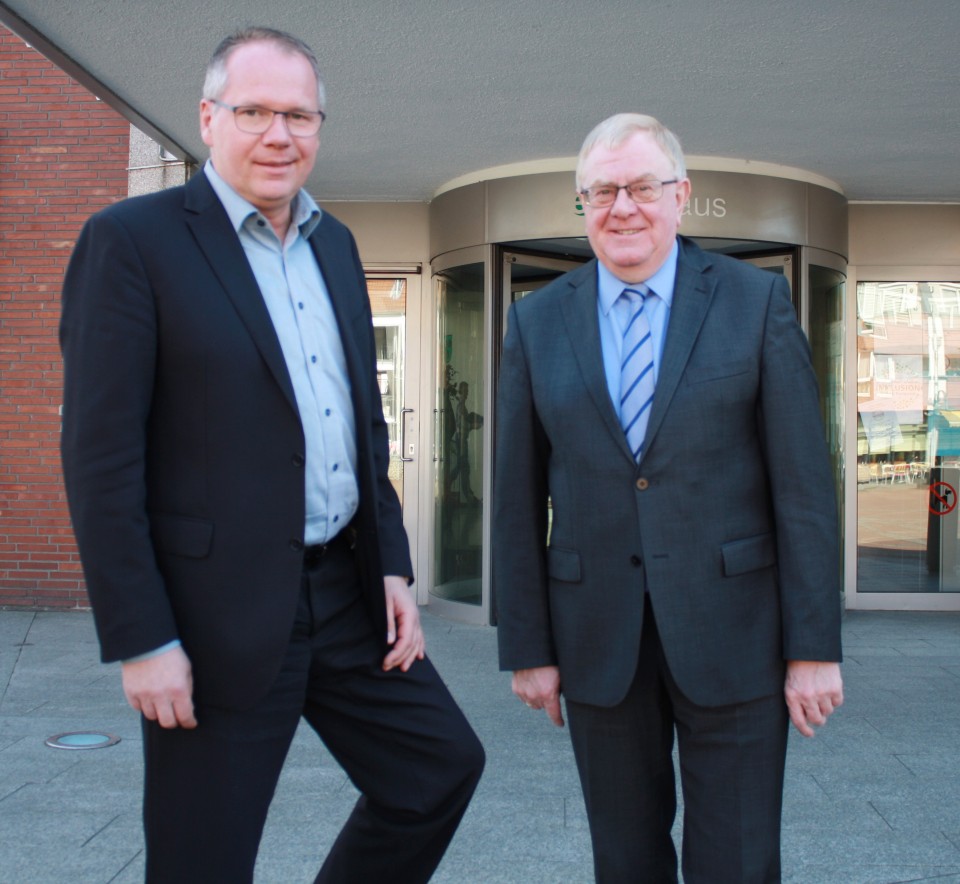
(643, 484)
(636, 561)
(298, 460)
(296, 545)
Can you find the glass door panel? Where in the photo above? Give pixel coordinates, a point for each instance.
(460, 389)
(908, 437)
(524, 273)
(781, 264)
(826, 296)
(390, 298)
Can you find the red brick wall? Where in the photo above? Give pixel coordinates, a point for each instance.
(63, 156)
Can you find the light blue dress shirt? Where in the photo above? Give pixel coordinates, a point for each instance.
(297, 299)
(614, 314)
(296, 296)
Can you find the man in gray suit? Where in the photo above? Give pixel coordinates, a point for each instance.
(663, 400)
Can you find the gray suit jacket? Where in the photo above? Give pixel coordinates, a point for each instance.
(729, 520)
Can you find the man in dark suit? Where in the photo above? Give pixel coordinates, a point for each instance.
(663, 400)
(225, 456)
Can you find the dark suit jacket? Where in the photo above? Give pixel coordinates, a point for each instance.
(730, 518)
(182, 445)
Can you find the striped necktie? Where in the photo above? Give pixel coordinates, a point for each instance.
(636, 373)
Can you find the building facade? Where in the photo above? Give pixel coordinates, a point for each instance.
(63, 155)
(876, 288)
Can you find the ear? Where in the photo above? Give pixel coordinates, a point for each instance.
(683, 189)
(207, 109)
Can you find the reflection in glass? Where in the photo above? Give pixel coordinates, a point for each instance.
(459, 478)
(388, 301)
(908, 436)
(827, 289)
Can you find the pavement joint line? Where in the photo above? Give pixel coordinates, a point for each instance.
(904, 763)
(125, 866)
(879, 814)
(16, 662)
(14, 792)
(103, 828)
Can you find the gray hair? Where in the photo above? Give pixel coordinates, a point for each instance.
(614, 130)
(215, 81)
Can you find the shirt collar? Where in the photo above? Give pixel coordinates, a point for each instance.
(306, 212)
(662, 282)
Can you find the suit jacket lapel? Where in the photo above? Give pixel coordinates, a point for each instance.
(218, 241)
(693, 293)
(579, 306)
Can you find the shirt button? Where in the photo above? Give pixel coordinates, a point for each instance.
(261, 222)
(300, 304)
(313, 359)
(336, 467)
(643, 484)
(336, 518)
(326, 411)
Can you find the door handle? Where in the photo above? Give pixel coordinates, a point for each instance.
(404, 451)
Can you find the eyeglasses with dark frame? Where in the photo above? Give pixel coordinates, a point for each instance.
(256, 120)
(648, 190)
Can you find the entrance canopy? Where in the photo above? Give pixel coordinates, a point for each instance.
(864, 95)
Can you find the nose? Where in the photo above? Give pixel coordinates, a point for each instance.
(277, 130)
(623, 204)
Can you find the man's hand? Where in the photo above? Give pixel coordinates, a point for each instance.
(403, 625)
(161, 688)
(539, 688)
(812, 691)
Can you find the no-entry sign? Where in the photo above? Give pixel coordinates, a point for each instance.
(943, 498)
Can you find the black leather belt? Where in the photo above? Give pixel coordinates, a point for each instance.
(313, 555)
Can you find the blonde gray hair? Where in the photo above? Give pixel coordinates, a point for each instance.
(614, 130)
(215, 81)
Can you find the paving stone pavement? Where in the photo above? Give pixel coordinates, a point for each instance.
(874, 798)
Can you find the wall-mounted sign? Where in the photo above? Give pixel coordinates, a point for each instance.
(706, 207)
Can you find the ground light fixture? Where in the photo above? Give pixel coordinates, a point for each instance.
(81, 740)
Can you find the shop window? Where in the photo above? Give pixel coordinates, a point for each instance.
(908, 436)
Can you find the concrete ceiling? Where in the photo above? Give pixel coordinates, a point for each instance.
(864, 93)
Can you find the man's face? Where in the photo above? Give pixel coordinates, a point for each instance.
(633, 240)
(267, 170)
